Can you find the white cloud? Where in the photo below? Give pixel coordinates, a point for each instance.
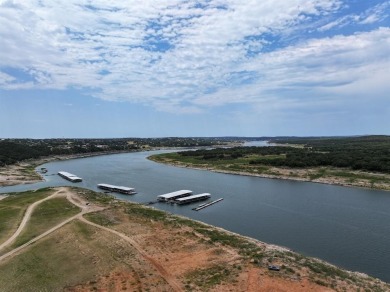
(372, 15)
(183, 56)
(316, 70)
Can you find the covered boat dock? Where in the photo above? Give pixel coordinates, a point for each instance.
(193, 198)
(174, 195)
(69, 176)
(117, 189)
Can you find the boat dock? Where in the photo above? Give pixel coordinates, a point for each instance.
(174, 196)
(117, 189)
(202, 206)
(193, 198)
(69, 176)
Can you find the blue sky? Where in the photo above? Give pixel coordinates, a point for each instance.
(158, 68)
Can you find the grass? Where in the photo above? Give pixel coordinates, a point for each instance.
(46, 215)
(102, 218)
(95, 197)
(13, 207)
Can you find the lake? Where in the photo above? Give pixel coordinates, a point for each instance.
(348, 227)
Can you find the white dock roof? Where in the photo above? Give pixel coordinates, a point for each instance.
(116, 187)
(69, 175)
(193, 197)
(174, 194)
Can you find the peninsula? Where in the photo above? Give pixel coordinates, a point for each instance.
(348, 161)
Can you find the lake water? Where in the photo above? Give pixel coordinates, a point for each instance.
(349, 227)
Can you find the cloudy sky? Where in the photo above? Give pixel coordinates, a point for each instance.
(153, 68)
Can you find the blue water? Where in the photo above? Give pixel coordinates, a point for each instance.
(349, 227)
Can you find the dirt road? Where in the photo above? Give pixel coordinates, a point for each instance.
(26, 218)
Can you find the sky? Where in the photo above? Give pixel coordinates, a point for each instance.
(158, 68)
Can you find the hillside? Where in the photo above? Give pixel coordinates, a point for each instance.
(99, 243)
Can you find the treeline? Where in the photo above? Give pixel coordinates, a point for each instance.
(370, 153)
(11, 152)
(16, 150)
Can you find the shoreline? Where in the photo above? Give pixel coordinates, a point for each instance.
(336, 181)
(18, 174)
(24, 172)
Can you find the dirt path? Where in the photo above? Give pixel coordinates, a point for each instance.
(61, 192)
(26, 218)
(164, 273)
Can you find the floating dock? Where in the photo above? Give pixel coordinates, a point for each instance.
(69, 176)
(174, 195)
(200, 207)
(117, 189)
(193, 198)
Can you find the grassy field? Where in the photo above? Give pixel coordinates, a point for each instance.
(242, 165)
(13, 207)
(46, 215)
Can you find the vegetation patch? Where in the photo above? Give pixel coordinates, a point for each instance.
(103, 218)
(210, 277)
(146, 213)
(95, 197)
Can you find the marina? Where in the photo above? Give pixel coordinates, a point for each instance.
(117, 189)
(202, 206)
(69, 176)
